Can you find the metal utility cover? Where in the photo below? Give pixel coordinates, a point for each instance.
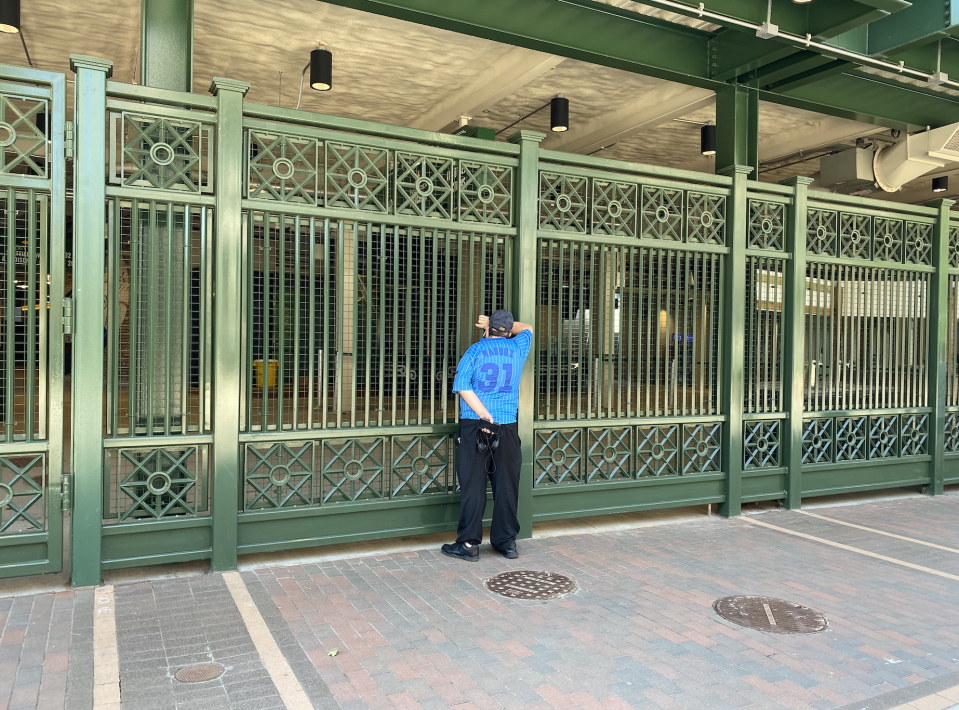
(528, 584)
(199, 673)
(769, 614)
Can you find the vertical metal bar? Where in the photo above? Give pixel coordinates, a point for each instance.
(297, 315)
(152, 257)
(112, 266)
(281, 329)
(381, 333)
(662, 376)
(8, 336)
(367, 355)
(434, 289)
(325, 371)
(338, 333)
(206, 333)
(32, 305)
(185, 340)
(44, 322)
(396, 318)
(311, 314)
(408, 305)
(168, 320)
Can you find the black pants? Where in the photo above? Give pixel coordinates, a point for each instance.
(471, 469)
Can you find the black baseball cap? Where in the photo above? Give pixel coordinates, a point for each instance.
(501, 322)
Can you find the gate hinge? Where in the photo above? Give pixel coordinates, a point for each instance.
(67, 316)
(66, 491)
(68, 139)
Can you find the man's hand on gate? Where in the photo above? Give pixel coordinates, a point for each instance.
(482, 322)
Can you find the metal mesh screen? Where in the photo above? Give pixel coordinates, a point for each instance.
(762, 369)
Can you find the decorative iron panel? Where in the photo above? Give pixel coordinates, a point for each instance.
(954, 247)
(851, 438)
(662, 214)
(887, 241)
(952, 342)
(24, 136)
(915, 434)
(485, 193)
(761, 444)
(278, 475)
(282, 167)
(424, 185)
(626, 331)
(23, 485)
(701, 448)
(357, 177)
(762, 368)
(24, 324)
(855, 236)
(357, 324)
(767, 225)
(817, 442)
(866, 338)
(607, 454)
(158, 299)
(159, 152)
(658, 450)
(705, 219)
(353, 469)
(614, 208)
(558, 457)
(562, 202)
(918, 247)
(155, 483)
(952, 433)
(421, 465)
(821, 232)
(884, 436)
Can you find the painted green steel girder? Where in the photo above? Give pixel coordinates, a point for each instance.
(600, 34)
(924, 22)
(167, 44)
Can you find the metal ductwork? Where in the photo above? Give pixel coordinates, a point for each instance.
(918, 154)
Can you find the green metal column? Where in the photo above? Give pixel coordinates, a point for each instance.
(525, 269)
(89, 220)
(938, 340)
(737, 128)
(226, 323)
(794, 334)
(732, 350)
(166, 44)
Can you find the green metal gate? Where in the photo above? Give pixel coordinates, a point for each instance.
(32, 209)
(270, 306)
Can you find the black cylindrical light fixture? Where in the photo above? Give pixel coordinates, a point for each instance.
(10, 16)
(559, 113)
(321, 69)
(707, 140)
(940, 184)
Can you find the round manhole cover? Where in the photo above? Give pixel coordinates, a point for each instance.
(767, 614)
(199, 673)
(527, 584)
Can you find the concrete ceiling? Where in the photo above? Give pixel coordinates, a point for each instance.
(401, 73)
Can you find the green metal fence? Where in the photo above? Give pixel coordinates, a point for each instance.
(286, 296)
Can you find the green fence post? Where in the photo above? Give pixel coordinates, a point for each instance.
(938, 340)
(732, 351)
(89, 220)
(525, 269)
(737, 128)
(794, 334)
(226, 324)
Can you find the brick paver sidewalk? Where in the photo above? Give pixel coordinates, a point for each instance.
(419, 630)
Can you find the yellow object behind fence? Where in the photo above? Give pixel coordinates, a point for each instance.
(272, 370)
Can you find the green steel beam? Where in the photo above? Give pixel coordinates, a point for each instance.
(737, 127)
(732, 348)
(794, 333)
(600, 34)
(226, 344)
(525, 271)
(166, 44)
(924, 22)
(89, 218)
(938, 344)
(733, 53)
(809, 76)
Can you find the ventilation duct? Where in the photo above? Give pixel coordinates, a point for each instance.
(895, 165)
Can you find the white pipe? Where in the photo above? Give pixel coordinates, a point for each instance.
(919, 154)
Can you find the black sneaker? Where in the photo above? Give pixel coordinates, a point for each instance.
(458, 549)
(509, 552)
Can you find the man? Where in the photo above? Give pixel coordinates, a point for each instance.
(487, 381)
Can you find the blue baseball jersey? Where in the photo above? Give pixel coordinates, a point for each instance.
(491, 368)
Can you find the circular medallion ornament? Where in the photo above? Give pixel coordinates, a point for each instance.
(485, 194)
(888, 240)
(6, 495)
(424, 187)
(421, 465)
(528, 584)
(283, 168)
(850, 439)
(614, 208)
(914, 435)
(657, 451)
(883, 437)
(279, 475)
(954, 432)
(662, 214)
(558, 457)
(955, 249)
(353, 469)
(702, 448)
(158, 483)
(11, 134)
(762, 444)
(162, 153)
(564, 203)
(816, 441)
(820, 232)
(609, 454)
(855, 236)
(357, 178)
(777, 616)
(919, 245)
(766, 226)
(706, 219)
